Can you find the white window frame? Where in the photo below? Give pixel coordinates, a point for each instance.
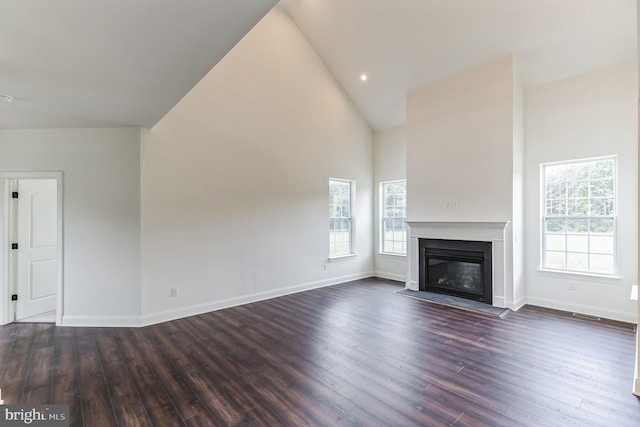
(382, 249)
(351, 219)
(589, 217)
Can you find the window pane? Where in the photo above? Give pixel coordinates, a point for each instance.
(556, 173)
(556, 225)
(602, 188)
(601, 207)
(555, 260)
(577, 172)
(576, 226)
(338, 224)
(577, 207)
(602, 264)
(345, 209)
(577, 262)
(601, 244)
(578, 189)
(555, 242)
(602, 169)
(388, 210)
(601, 226)
(556, 207)
(578, 244)
(556, 190)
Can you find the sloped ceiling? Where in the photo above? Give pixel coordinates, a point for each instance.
(91, 63)
(406, 44)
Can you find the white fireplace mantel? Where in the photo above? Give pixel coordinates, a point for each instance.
(498, 233)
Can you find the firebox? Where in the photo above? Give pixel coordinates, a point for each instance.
(456, 267)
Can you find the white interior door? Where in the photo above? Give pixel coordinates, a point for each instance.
(37, 247)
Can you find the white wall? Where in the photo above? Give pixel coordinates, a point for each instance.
(235, 180)
(517, 219)
(460, 146)
(464, 167)
(389, 164)
(101, 175)
(592, 114)
(636, 382)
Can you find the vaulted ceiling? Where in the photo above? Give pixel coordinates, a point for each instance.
(406, 44)
(92, 63)
(88, 63)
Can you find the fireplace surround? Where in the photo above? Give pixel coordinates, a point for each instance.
(504, 292)
(456, 267)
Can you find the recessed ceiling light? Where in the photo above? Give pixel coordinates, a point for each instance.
(363, 77)
(6, 98)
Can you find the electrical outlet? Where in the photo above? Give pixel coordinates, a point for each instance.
(571, 286)
(174, 292)
(452, 204)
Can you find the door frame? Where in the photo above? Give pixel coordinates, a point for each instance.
(7, 313)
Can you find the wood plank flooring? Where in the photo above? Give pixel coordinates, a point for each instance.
(346, 355)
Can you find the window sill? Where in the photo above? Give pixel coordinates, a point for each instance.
(341, 257)
(578, 274)
(390, 254)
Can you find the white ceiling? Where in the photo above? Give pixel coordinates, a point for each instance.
(88, 63)
(406, 44)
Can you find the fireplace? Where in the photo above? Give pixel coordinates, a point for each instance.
(456, 267)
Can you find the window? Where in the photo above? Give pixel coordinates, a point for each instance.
(579, 216)
(393, 227)
(340, 217)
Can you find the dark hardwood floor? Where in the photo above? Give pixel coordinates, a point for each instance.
(351, 354)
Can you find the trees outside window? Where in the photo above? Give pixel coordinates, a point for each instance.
(393, 227)
(579, 216)
(340, 217)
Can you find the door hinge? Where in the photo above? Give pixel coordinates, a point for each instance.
(14, 297)
(14, 195)
(14, 246)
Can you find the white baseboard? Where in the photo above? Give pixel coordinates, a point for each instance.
(636, 383)
(511, 305)
(518, 304)
(413, 285)
(391, 276)
(101, 321)
(178, 313)
(621, 316)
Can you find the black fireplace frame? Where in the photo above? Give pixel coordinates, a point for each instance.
(457, 250)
